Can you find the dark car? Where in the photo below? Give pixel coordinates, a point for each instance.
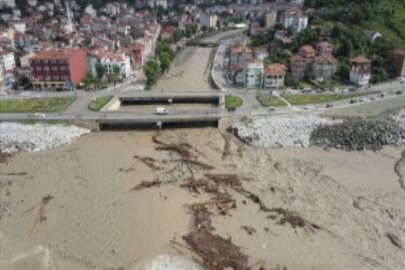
(353, 101)
(329, 105)
(399, 92)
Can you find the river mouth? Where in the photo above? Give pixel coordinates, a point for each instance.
(124, 196)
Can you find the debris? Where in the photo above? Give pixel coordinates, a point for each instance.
(41, 218)
(216, 252)
(146, 184)
(148, 161)
(3, 157)
(394, 240)
(292, 218)
(14, 174)
(248, 229)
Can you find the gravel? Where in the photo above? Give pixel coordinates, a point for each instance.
(356, 134)
(37, 137)
(279, 131)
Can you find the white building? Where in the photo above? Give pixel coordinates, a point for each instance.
(110, 60)
(253, 73)
(91, 11)
(208, 20)
(295, 20)
(7, 3)
(273, 76)
(7, 61)
(20, 27)
(360, 73)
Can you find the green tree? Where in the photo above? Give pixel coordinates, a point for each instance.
(290, 81)
(165, 61)
(152, 72)
(101, 70)
(88, 80)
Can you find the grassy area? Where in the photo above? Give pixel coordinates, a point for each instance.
(321, 98)
(269, 101)
(232, 102)
(44, 105)
(99, 103)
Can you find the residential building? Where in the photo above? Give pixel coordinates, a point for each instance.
(298, 66)
(308, 53)
(59, 69)
(273, 76)
(360, 73)
(398, 58)
(324, 48)
(271, 19)
(324, 67)
(261, 53)
(208, 20)
(7, 60)
(7, 3)
(294, 19)
(240, 54)
(238, 77)
(110, 60)
(167, 32)
(253, 73)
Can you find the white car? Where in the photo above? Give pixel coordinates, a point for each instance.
(40, 115)
(402, 80)
(161, 110)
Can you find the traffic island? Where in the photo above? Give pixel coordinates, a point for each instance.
(36, 105)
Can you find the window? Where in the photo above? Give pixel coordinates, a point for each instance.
(46, 68)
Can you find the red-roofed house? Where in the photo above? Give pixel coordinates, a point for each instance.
(167, 32)
(307, 52)
(324, 67)
(298, 66)
(59, 69)
(274, 76)
(324, 48)
(360, 73)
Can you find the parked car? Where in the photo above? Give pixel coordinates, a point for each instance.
(399, 92)
(329, 105)
(309, 108)
(353, 101)
(161, 110)
(271, 109)
(382, 95)
(402, 80)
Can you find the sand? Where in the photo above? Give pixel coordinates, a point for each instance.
(93, 219)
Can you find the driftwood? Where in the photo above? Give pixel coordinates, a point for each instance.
(146, 184)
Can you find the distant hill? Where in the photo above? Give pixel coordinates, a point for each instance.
(384, 16)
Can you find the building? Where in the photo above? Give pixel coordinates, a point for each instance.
(7, 61)
(167, 32)
(261, 53)
(398, 59)
(298, 66)
(360, 73)
(208, 20)
(240, 54)
(7, 3)
(324, 67)
(59, 69)
(253, 73)
(308, 53)
(295, 20)
(324, 48)
(271, 19)
(273, 76)
(110, 60)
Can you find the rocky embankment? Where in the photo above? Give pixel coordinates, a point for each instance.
(279, 131)
(31, 138)
(310, 130)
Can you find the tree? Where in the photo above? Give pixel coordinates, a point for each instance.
(101, 70)
(165, 61)
(88, 80)
(290, 81)
(152, 72)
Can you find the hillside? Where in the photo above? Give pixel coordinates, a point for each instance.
(385, 16)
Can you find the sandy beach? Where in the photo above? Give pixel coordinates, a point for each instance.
(77, 207)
